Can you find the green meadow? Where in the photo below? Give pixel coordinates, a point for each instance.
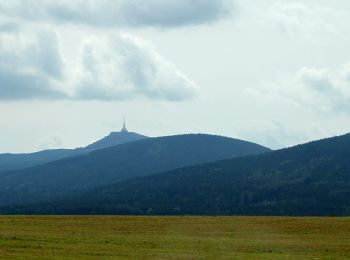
(101, 237)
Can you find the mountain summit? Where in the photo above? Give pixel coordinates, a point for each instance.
(116, 138)
(20, 161)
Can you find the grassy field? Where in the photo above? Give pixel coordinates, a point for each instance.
(28, 237)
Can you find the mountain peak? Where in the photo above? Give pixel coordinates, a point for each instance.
(116, 138)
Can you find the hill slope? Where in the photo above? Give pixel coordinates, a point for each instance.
(115, 138)
(116, 164)
(21, 161)
(309, 179)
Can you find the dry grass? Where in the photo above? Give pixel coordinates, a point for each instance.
(27, 237)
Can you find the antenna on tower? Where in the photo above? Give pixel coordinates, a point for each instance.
(124, 130)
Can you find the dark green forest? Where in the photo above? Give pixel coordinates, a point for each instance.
(76, 175)
(310, 179)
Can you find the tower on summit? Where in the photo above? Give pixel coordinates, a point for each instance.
(124, 130)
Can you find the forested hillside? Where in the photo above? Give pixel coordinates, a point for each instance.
(111, 165)
(309, 179)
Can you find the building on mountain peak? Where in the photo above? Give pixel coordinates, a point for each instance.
(124, 130)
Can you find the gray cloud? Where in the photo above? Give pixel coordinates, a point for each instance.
(8, 27)
(34, 65)
(28, 66)
(16, 86)
(107, 68)
(121, 13)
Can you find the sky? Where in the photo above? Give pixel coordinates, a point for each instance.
(273, 72)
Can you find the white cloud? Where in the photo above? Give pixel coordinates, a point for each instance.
(292, 18)
(120, 13)
(126, 67)
(324, 90)
(34, 66)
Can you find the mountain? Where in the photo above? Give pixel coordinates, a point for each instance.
(20, 161)
(118, 163)
(115, 138)
(310, 179)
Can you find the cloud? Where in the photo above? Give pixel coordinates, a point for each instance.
(29, 66)
(8, 27)
(125, 67)
(34, 64)
(121, 13)
(325, 90)
(37, 63)
(292, 18)
(122, 67)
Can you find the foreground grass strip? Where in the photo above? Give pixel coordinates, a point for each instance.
(62, 237)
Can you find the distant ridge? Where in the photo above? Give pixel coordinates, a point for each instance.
(118, 163)
(21, 161)
(312, 179)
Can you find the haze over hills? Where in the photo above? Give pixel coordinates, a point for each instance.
(118, 163)
(309, 179)
(20, 161)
